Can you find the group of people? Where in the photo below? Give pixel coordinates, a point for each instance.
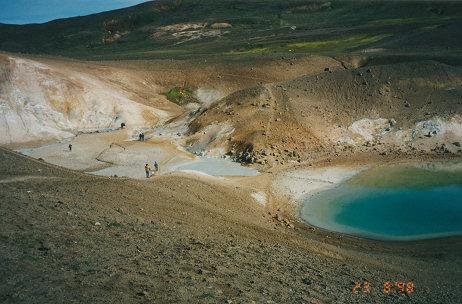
(150, 172)
(141, 136)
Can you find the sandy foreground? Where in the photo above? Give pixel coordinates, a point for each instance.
(193, 238)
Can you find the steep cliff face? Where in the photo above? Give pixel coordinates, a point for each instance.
(40, 102)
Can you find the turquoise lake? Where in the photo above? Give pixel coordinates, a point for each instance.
(399, 202)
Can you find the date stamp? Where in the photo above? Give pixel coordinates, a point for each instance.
(387, 287)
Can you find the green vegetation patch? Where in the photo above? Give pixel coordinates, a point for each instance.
(398, 21)
(430, 27)
(331, 46)
(250, 51)
(208, 295)
(181, 96)
(350, 42)
(114, 224)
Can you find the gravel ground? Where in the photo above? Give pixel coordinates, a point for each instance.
(76, 238)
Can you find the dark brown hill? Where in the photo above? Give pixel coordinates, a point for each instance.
(185, 28)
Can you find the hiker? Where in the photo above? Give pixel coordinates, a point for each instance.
(70, 147)
(122, 125)
(148, 170)
(156, 166)
(140, 136)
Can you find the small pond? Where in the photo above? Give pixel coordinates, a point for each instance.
(397, 202)
(217, 166)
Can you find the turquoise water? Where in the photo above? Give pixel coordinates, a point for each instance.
(391, 212)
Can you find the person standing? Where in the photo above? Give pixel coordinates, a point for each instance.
(70, 147)
(156, 166)
(148, 170)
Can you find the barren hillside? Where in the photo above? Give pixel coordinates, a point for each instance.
(188, 29)
(378, 109)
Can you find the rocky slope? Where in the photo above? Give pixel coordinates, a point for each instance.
(405, 109)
